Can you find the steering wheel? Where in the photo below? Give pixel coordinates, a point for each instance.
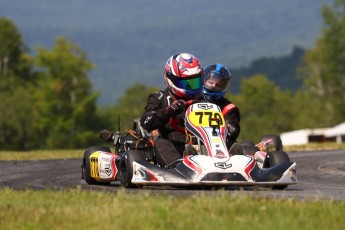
(176, 123)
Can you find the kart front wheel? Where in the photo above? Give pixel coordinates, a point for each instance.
(275, 158)
(126, 167)
(86, 167)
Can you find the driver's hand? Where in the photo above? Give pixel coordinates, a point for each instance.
(175, 108)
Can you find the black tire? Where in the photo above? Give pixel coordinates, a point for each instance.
(247, 143)
(126, 167)
(248, 147)
(86, 169)
(277, 142)
(275, 158)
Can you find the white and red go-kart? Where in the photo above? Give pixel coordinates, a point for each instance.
(134, 164)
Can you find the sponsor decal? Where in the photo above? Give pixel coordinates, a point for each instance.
(106, 159)
(147, 119)
(216, 140)
(220, 154)
(143, 174)
(139, 173)
(222, 165)
(107, 171)
(102, 165)
(205, 106)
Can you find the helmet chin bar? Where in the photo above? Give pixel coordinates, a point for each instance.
(211, 96)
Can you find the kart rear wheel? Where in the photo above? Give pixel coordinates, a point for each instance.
(275, 158)
(248, 147)
(277, 142)
(247, 143)
(86, 168)
(126, 167)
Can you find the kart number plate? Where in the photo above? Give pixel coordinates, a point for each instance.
(206, 118)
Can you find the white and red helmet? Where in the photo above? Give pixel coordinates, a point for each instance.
(183, 76)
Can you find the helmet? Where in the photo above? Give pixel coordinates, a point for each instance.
(217, 80)
(183, 76)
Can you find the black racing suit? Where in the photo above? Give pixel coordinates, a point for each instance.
(232, 118)
(170, 145)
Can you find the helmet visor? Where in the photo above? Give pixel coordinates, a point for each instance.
(188, 84)
(216, 84)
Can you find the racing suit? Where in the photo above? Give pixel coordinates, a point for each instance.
(170, 145)
(232, 118)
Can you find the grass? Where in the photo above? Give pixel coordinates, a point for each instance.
(80, 209)
(84, 209)
(315, 146)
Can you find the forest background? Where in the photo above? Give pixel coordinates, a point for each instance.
(48, 99)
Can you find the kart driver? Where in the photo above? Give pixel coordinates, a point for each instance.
(165, 109)
(217, 80)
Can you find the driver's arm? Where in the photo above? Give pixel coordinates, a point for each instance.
(154, 116)
(232, 119)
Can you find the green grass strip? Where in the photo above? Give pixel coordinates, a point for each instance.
(80, 209)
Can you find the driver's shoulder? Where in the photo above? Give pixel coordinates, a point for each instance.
(223, 102)
(160, 94)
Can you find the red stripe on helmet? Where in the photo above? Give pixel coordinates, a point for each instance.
(175, 68)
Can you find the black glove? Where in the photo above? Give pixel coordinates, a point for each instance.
(175, 108)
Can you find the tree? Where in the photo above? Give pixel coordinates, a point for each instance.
(11, 46)
(16, 90)
(13, 59)
(324, 70)
(307, 111)
(67, 106)
(264, 108)
(280, 70)
(132, 104)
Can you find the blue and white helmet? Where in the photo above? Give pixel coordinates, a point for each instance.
(217, 80)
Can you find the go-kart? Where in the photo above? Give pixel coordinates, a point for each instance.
(209, 164)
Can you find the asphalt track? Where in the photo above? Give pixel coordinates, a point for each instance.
(321, 175)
